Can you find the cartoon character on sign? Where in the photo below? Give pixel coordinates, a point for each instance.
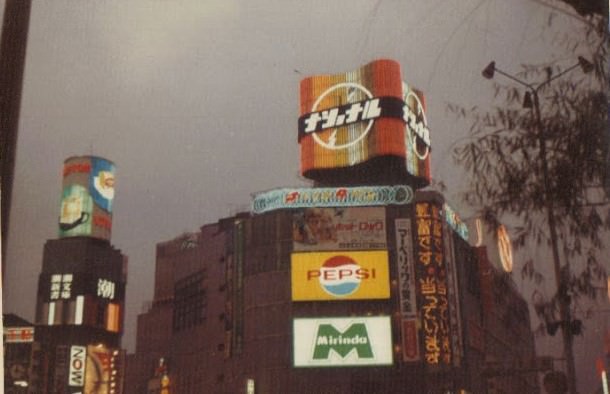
(314, 226)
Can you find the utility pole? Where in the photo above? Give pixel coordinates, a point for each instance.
(531, 100)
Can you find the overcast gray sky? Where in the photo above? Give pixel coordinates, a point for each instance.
(197, 104)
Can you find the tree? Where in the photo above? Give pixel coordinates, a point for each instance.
(506, 155)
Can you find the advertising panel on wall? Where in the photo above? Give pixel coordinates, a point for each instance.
(323, 197)
(350, 118)
(406, 290)
(431, 274)
(77, 367)
(18, 334)
(318, 229)
(340, 275)
(87, 196)
(342, 341)
(100, 367)
(66, 286)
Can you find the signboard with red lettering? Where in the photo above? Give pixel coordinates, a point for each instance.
(18, 334)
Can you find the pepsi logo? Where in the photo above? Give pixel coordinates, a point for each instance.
(340, 276)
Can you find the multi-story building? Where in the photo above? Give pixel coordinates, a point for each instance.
(81, 289)
(19, 348)
(361, 284)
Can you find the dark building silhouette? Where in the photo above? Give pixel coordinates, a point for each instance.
(224, 314)
(19, 349)
(81, 289)
(15, 26)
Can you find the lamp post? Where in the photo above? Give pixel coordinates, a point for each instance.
(531, 100)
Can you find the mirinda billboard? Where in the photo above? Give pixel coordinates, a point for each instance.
(349, 119)
(87, 196)
(332, 276)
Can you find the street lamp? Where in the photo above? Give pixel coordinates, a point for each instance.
(531, 101)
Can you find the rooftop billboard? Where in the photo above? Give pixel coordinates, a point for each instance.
(349, 119)
(87, 196)
(323, 197)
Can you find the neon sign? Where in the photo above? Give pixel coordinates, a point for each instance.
(331, 197)
(432, 284)
(505, 249)
(453, 219)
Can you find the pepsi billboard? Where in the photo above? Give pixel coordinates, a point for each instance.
(332, 276)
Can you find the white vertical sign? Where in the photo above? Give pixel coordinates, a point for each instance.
(78, 358)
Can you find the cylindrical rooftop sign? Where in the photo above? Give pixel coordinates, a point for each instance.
(364, 117)
(87, 196)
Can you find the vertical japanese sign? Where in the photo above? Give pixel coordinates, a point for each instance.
(431, 274)
(406, 288)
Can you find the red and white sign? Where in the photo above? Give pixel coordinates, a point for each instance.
(18, 334)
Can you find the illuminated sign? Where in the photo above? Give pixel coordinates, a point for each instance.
(340, 275)
(18, 334)
(100, 363)
(342, 341)
(250, 386)
(101, 183)
(88, 193)
(454, 221)
(348, 114)
(317, 229)
(406, 290)
(431, 275)
(331, 197)
(76, 208)
(105, 288)
(505, 249)
(350, 118)
(61, 286)
(76, 374)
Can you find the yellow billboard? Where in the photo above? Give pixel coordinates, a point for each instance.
(341, 275)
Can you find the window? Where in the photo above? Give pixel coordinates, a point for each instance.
(189, 301)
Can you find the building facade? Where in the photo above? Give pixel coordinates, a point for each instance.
(81, 289)
(360, 284)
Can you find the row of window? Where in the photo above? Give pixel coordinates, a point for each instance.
(190, 301)
(82, 310)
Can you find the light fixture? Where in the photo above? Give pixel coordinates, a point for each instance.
(489, 71)
(585, 65)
